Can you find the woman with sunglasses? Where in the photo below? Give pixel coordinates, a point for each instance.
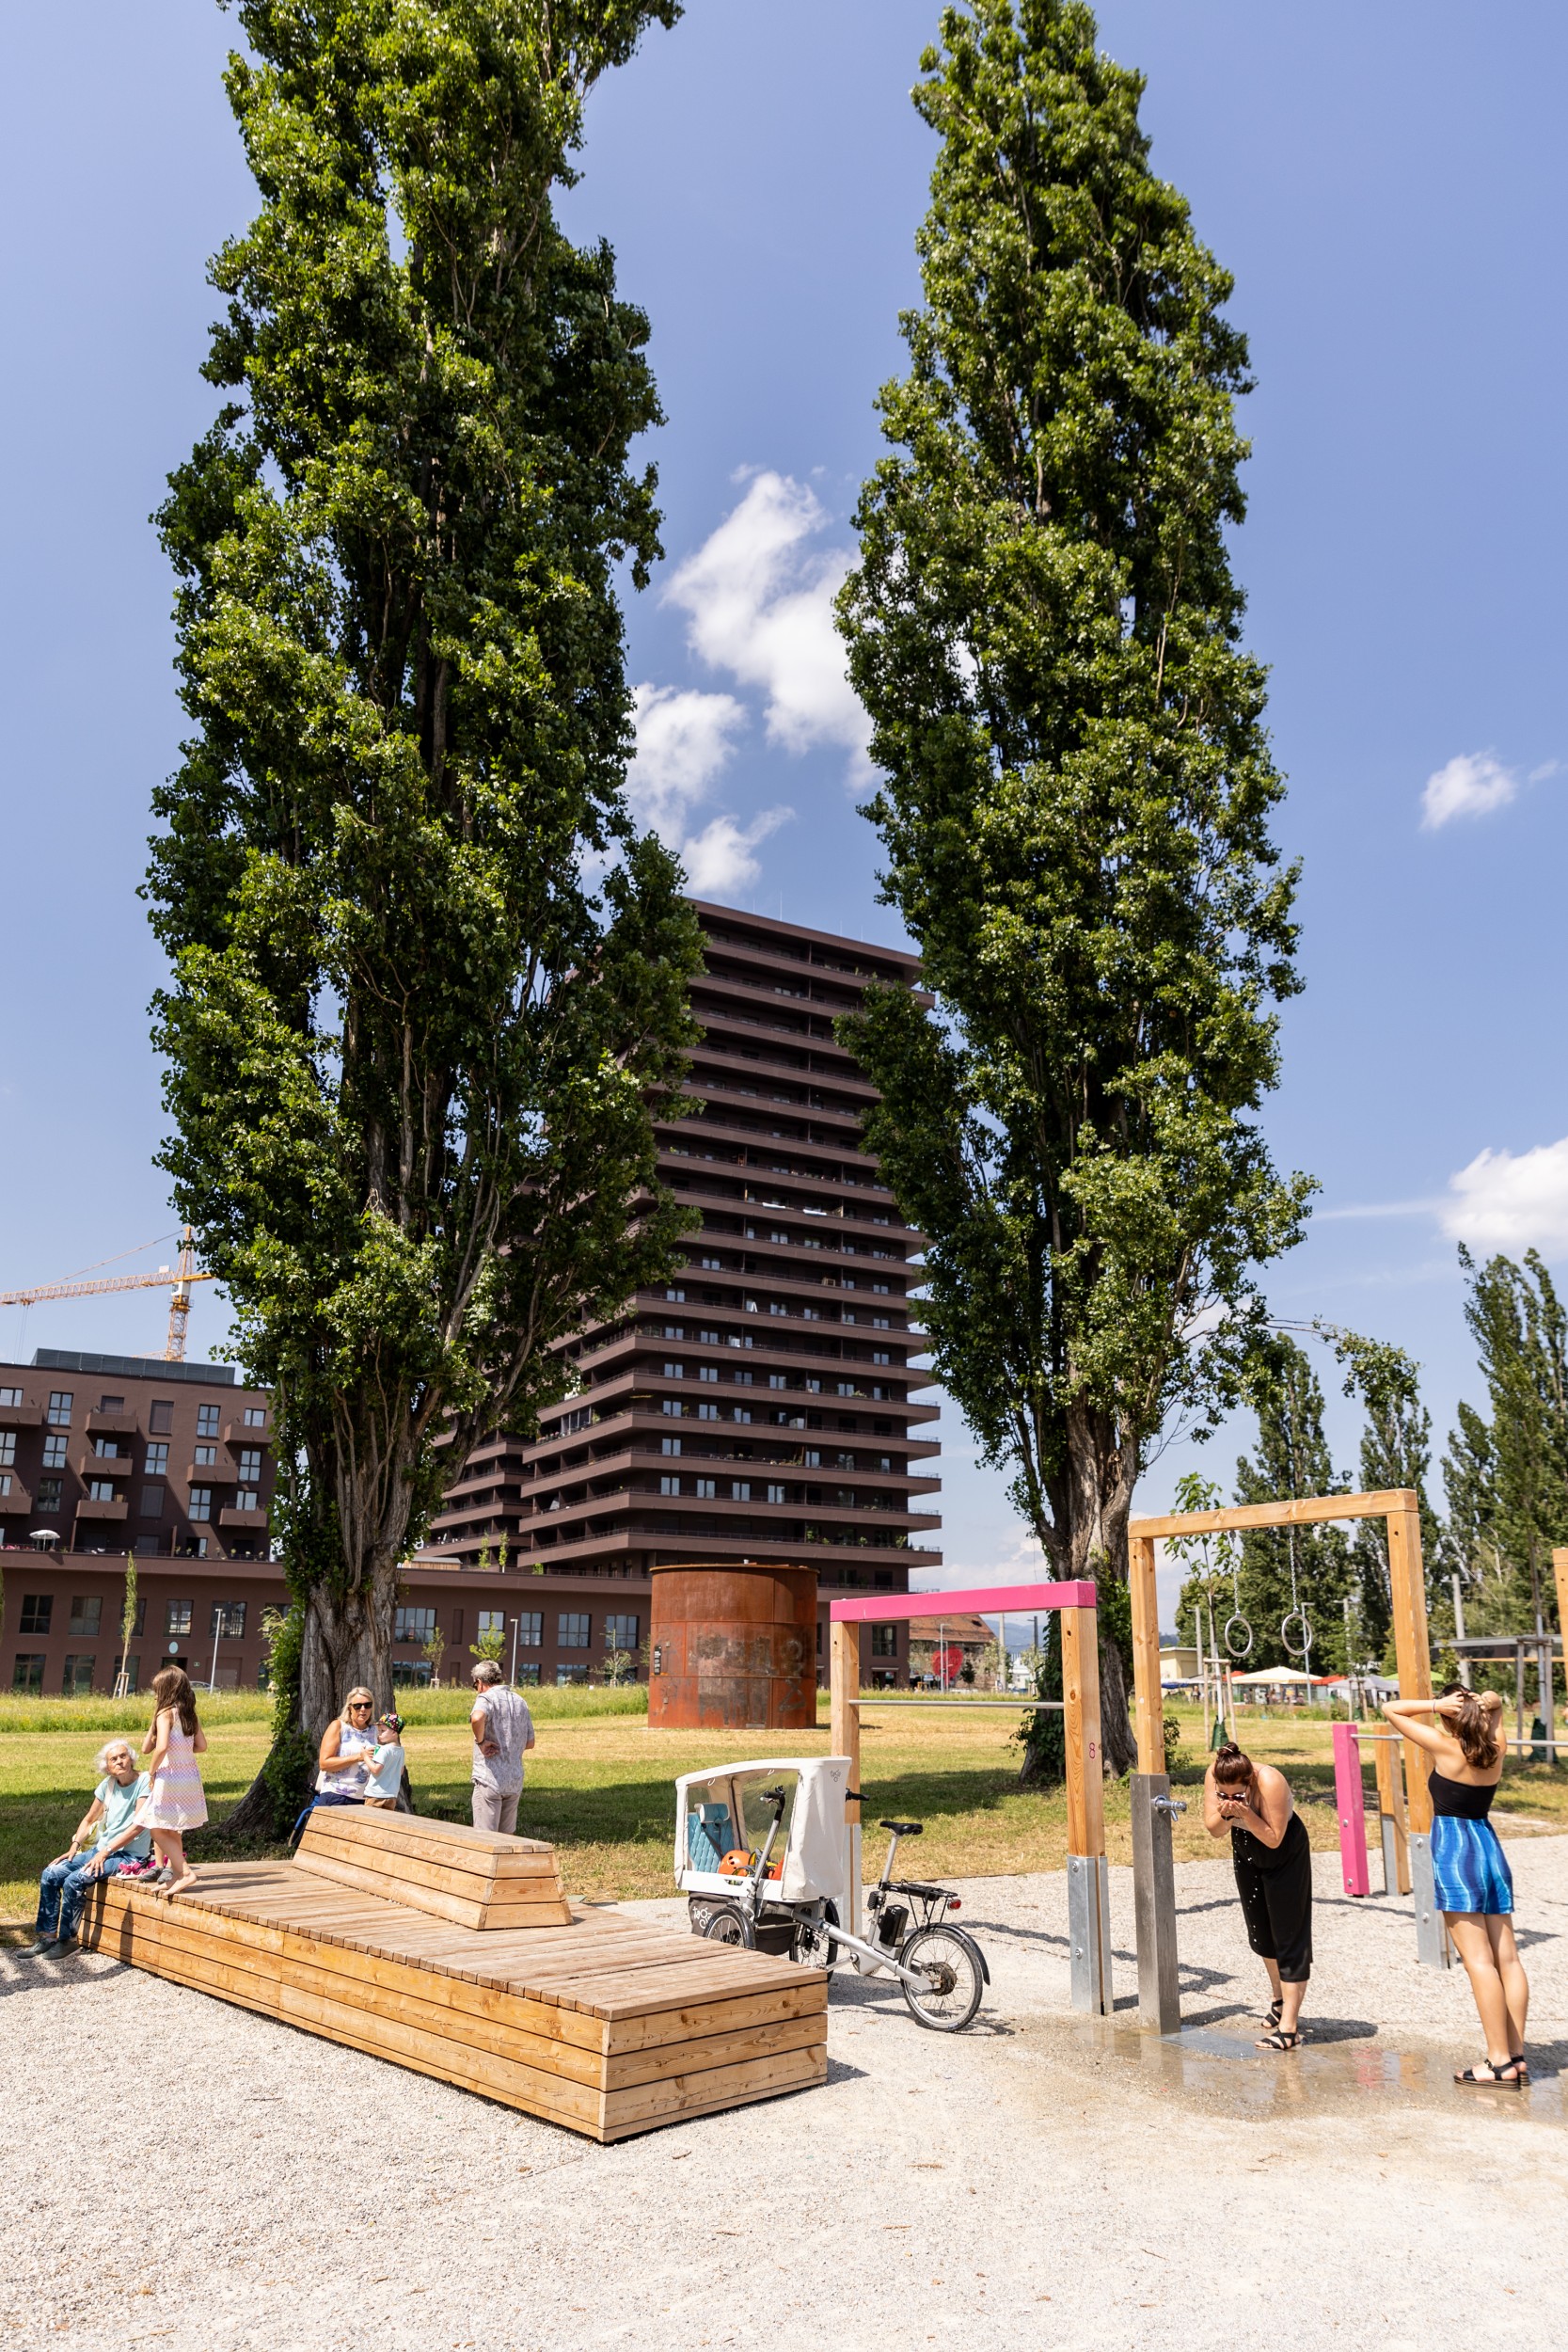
(347, 1746)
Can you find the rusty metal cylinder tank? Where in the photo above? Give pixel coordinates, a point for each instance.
(734, 1648)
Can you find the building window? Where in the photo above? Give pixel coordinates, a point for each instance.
(201, 1502)
(108, 1450)
(27, 1672)
(53, 1453)
(160, 1416)
(880, 1355)
(411, 1672)
(572, 1630)
(884, 1641)
(255, 1416)
(413, 1625)
(76, 1681)
(87, 1614)
(714, 1265)
(132, 1672)
(669, 1445)
(777, 1380)
(709, 1339)
(228, 1623)
(246, 1499)
(675, 1371)
(674, 1331)
(777, 1494)
(740, 1490)
(49, 1496)
(566, 1675)
(707, 1412)
(621, 1632)
(37, 1610)
(7, 1449)
(251, 1464)
(151, 1502)
(195, 1548)
(676, 1297)
(671, 1405)
(707, 1489)
(879, 1323)
(741, 1413)
(530, 1633)
(4, 1481)
(101, 1489)
(138, 1624)
(490, 1621)
(670, 1485)
(157, 1461)
(177, 1616)
(10, 1396)
(59, 1408)
(206, 1421)
(206, 1457)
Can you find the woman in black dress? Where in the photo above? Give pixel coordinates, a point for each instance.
(1273, 1877)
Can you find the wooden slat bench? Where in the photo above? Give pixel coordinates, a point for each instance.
(601, 2022)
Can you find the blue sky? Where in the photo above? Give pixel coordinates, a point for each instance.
(1383, 186)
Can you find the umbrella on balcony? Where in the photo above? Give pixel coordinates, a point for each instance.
(44, 1536)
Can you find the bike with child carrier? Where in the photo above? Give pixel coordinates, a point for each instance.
(747, 1887)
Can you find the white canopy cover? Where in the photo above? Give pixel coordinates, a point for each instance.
(811, 1835)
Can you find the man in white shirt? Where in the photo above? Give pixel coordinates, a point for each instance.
(503, 1733)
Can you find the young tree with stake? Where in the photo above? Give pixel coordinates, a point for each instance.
(411, 1049)
(1075, 795)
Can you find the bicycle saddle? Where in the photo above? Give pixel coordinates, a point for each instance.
(903, 1829)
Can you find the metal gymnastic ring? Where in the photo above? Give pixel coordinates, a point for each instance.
(1290, 1648)
(1237, 1648)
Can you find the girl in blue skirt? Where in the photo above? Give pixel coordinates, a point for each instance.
(1461, 1732)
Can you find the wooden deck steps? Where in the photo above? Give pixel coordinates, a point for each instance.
(607, 2025)
(470, 1876)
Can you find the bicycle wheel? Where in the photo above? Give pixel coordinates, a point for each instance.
(728, 1924)
(954, 1978)
(813, 1947)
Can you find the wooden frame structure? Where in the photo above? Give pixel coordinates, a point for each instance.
(1089, 1878)
(1400, 1508)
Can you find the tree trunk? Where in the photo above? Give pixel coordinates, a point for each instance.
(346, 1640)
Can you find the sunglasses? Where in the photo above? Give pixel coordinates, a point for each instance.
(360, 1707)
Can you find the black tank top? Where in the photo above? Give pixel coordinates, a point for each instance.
(1459, 1799)
(1245, 1848)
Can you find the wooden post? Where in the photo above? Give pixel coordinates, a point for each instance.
(1086, 1766)
(1147, 1696)
(844, 1719)
(1390, 1766)
(1412, 1648)
(1088, 1877)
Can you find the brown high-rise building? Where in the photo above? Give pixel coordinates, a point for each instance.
(763, 1405)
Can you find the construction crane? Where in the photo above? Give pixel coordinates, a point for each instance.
(181, 1275)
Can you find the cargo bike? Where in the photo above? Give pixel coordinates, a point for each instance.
(760, 1856)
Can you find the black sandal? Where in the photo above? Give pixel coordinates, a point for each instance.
(1495, 2078)
(1278, 2040)
(1275, 2010)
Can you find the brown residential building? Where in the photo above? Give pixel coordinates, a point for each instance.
(764, 1405)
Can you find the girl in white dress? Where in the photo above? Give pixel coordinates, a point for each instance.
(175, 1800)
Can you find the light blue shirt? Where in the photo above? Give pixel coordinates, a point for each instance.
(119, 1805)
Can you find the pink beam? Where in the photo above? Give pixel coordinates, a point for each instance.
(986, 1600)
(1349, 1802)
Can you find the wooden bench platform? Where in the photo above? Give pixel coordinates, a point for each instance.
(601, 2022)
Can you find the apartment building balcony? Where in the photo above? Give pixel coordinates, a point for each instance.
(102, 1507)
(241, 1433)
(21, 1416)
(253, 1520)
(16, 1500)
(116, 1424)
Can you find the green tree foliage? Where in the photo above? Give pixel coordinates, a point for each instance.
(1396, 1451)
(410, 1047)
(1292, 1458)
(1076, 790)
(1507, 1477)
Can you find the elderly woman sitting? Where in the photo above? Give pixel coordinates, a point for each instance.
(118, 1846)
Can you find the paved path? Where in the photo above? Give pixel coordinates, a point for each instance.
(177, 2178)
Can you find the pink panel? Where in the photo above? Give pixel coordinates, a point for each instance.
(987, 1600)
(1349, 1802)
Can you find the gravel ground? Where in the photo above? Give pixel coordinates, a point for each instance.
(189, 2176)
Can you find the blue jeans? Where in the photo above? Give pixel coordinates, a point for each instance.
(64, 1888)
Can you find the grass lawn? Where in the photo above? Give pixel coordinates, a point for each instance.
(600, 1784)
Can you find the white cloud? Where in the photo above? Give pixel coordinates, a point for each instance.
(759, 598)
(718, 860)
(684, 742)
(1471, 785)
(1503, 1201)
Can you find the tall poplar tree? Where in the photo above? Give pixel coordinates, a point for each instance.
(410, 1047)
(1287, 1570)
(1507, 1477)
(1076, 790)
